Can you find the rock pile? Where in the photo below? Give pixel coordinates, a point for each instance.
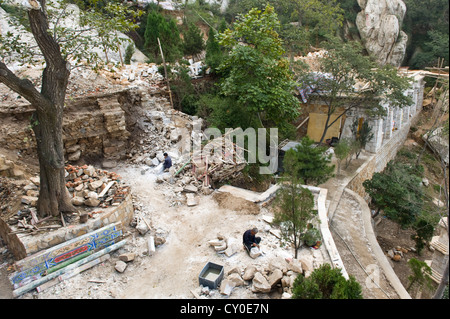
(277, 276)
(397, 253)
(94, 187)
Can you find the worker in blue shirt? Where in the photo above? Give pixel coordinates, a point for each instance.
(167, 162)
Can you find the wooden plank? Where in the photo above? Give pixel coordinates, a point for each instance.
(38, 282)
(106, 189)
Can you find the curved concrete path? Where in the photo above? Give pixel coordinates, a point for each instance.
(349, 214)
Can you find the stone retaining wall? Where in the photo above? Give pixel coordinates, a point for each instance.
(377, 162)
(23, 245)
(93, 126)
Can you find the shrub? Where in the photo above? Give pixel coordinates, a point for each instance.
(326, 283)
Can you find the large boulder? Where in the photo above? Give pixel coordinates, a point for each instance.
(260, 283)
(379, 24)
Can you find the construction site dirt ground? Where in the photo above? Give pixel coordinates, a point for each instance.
(172, 270)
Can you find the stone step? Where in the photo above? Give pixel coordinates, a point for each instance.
(435, 243)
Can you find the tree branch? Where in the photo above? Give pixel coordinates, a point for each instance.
(24, 87)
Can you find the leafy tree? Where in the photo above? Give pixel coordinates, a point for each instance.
(397, 192)
(58, 44)
(326, 283)
(421, 274)
(257, 74)
(314, 18)
(294, 202)
(341, 69)
(314, 166)
(424, 228)
(193, 40)
(426, 22)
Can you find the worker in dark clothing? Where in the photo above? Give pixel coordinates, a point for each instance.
(250, 240)
(167, 162)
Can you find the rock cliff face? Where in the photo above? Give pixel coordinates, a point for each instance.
(379, 24)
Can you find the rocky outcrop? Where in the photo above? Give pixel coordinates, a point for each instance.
(379, 24)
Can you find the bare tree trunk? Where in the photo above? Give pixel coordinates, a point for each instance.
(47, 119)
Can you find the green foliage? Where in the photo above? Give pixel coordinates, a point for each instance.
(424, 228)
(129, 53)
(214, 53)
(76, 42)
(184, 95)
(326, 283)
(158, 26)
(426, 23)
(397, 191)
(295, 203)
(345, 66)
(342, 151)
(421, 275)
(193, 40)
(257, 75)
(311, 237)
(361, 136)
(314, 166)
(224, 112)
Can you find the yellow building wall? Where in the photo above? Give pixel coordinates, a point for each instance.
(316, 125)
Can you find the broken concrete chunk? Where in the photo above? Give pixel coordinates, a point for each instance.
(249, 272)
(29, 200)
(127, 257)
(95, 184)
(255, 252)
(236, 279)
(275, 277)
(77, 201)
(142, 228)
(91, 202)
(190, 189)
(120, 266)
(260, 283)
(191, 200)
(226, 287)
(295, 265)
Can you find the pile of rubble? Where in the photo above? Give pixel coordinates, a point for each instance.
(89, 187)
(397, 253)
(94, 187)
(276, 276)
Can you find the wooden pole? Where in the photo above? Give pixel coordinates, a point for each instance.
(165, 73)
(40, 281)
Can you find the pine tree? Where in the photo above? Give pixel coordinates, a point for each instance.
(167, 32)
(214, 53)
(295, 204)
(314, 166)
(193, 40)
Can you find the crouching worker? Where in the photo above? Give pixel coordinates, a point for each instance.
(250, 240)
